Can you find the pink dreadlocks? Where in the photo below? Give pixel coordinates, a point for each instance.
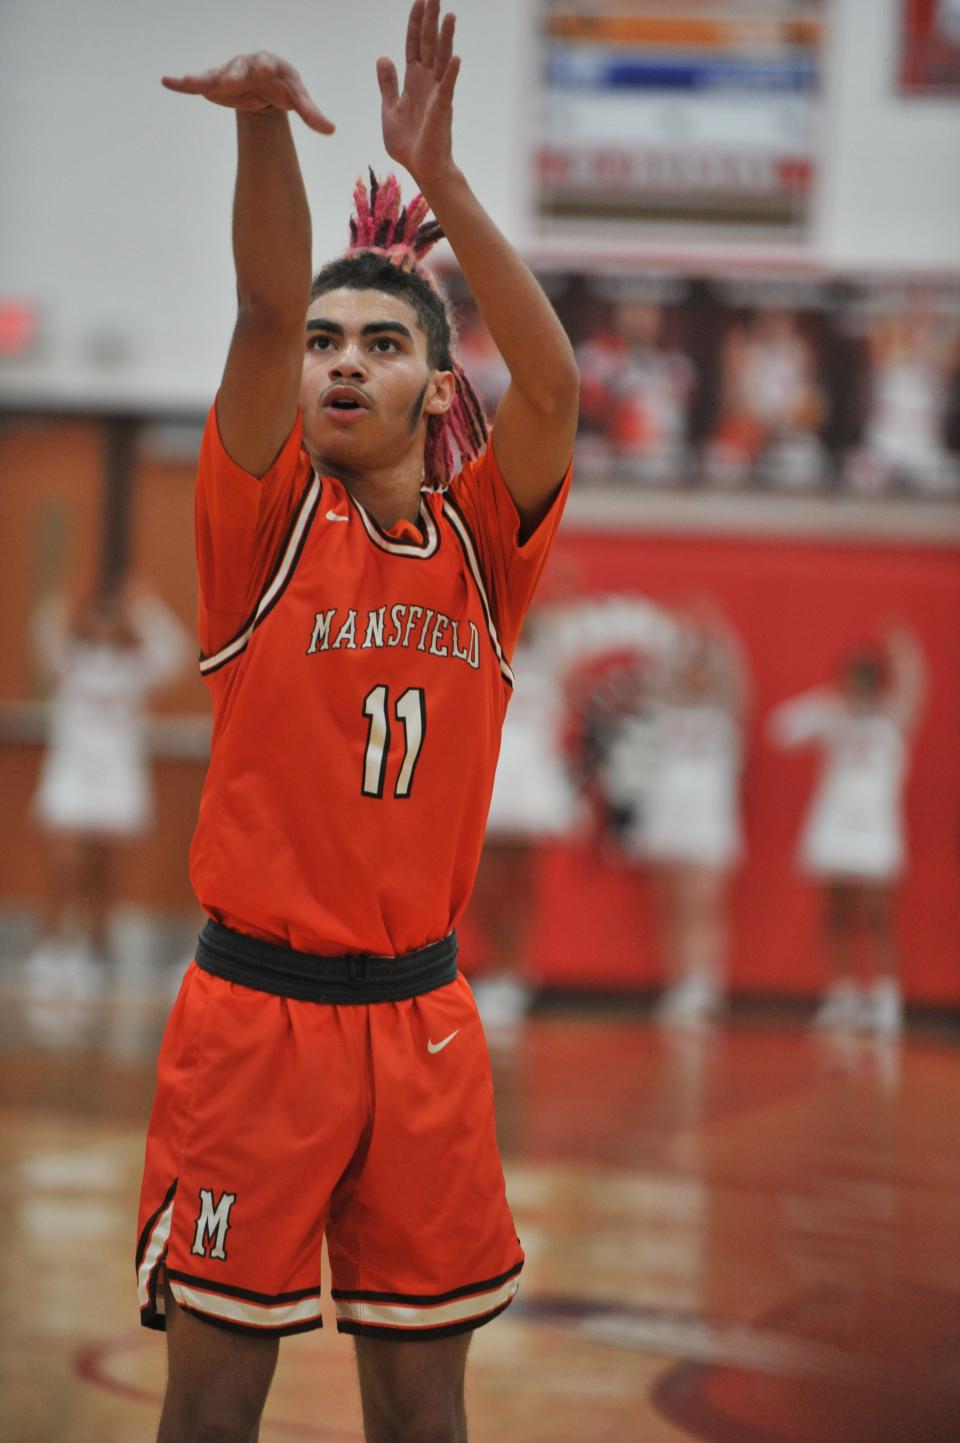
(387, 243)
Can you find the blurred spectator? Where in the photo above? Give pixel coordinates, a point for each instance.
(94, 793)
(771, 408)
(693, 838)
(853, 841)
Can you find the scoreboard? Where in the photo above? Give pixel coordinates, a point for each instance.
(691, 115)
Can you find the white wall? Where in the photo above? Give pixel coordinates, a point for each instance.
(115, 194)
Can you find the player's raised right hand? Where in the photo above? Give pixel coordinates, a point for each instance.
(258, 83)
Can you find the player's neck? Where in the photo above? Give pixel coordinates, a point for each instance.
(390, 493)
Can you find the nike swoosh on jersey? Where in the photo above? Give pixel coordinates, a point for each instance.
(335, 516)
(439, 1046)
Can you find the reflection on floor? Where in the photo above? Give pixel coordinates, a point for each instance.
(749, 1235)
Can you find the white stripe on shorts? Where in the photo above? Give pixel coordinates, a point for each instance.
(425, 1315)
(153, 1252)
(241, 1310)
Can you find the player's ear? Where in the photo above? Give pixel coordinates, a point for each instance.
(440, 393)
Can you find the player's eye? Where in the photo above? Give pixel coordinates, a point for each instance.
(385, 345)
(318, 343)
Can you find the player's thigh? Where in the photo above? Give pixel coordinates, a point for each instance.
(413, 1390)
(420, 1235)
(218, 1379)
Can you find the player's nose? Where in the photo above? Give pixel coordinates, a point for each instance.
(349, 361)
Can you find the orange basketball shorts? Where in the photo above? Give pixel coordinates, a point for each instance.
(278, 1121)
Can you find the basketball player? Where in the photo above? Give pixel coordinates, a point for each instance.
(324, 1070)
(914, 355)
(637, 391)
(771, 407)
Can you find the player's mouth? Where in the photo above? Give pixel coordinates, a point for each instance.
(344, 403)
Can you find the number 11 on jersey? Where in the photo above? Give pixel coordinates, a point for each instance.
(411, 710)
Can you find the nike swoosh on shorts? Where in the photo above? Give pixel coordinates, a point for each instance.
(439, 1046)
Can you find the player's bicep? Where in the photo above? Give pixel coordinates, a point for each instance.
(260, 391)
(533, 449)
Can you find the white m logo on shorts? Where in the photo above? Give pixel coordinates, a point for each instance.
(213, 1222)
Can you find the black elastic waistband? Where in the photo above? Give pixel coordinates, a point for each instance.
(358, 979)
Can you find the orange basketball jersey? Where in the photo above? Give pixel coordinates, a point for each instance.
(359, 680)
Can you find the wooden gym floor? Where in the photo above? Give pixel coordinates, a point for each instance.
(750, 1236)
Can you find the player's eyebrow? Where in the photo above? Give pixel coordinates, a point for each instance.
(373, 328)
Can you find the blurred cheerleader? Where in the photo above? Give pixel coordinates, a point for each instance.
(693, 836)
(853, 842)
(94, 792)
(532, 805)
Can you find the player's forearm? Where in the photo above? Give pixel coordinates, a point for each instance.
(271, 219)
(521, 320)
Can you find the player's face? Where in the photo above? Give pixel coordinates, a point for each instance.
(367, 387)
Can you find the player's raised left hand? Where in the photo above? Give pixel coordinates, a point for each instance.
(417, 122)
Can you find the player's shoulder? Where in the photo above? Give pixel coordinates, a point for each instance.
(216, 462)
(478, 485)
(476, 468)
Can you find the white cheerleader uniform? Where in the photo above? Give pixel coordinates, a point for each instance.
(855, 824)
(532, 796)
(693, 801)
(94, 776)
